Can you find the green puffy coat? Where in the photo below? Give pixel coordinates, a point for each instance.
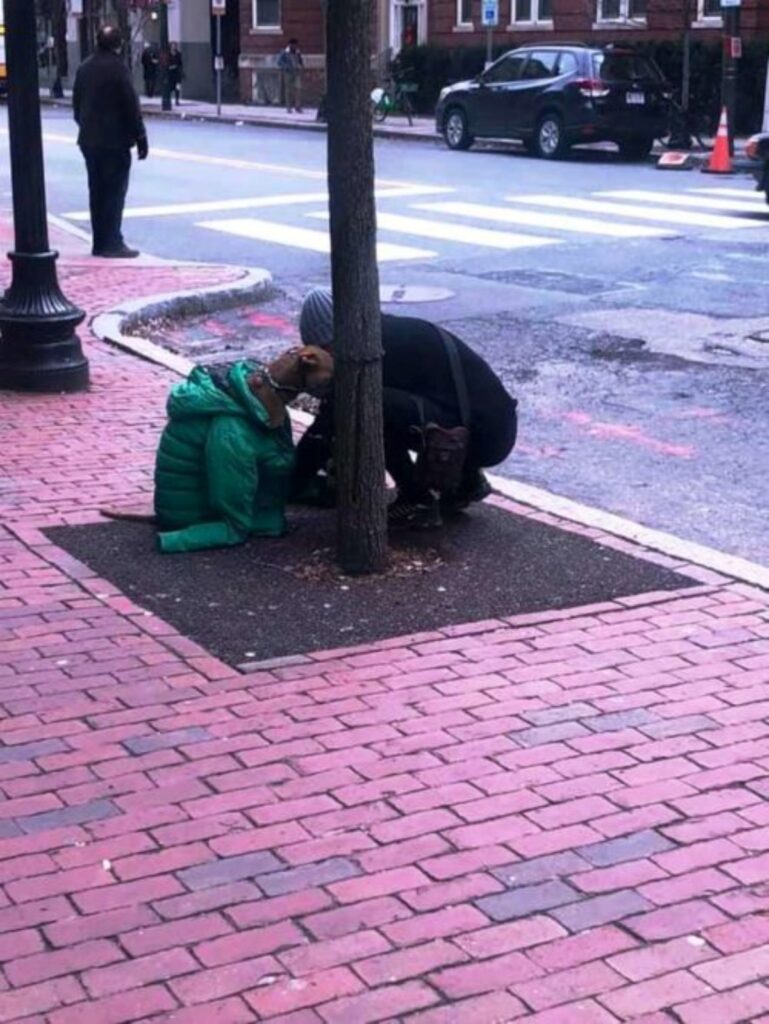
(221, 471)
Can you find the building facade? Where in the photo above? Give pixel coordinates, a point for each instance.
(267, 25)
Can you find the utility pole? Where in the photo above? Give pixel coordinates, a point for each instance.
(218, 10)
(731, 54)
(39, 349)
(490, 19)
(165, 57)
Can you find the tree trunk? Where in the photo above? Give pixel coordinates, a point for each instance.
(359, 447)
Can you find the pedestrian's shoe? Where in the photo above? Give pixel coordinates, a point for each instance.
(476, 489)
(123, 252)
(424, 514)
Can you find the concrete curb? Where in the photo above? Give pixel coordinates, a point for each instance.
(254, 285)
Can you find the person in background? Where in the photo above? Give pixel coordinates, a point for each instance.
(106, 109)
(175, 72)
(150, 69)
(291, 63)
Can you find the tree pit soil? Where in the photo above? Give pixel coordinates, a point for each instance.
(273, 598)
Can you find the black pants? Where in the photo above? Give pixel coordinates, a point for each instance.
(108, 173)
(402, 418)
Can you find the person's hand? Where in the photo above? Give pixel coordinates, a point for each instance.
(142, 148)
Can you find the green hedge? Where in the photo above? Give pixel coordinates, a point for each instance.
(431, 67)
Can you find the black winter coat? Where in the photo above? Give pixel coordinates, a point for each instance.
(105, 104)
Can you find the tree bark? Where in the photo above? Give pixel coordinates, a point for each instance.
(359, 446)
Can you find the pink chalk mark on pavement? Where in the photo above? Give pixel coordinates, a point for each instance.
(272, 322)
(627, 432)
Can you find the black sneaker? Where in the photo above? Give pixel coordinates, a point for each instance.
(424, 514)
(478, 489)
(123, 252)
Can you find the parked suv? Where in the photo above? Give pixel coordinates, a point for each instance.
(556, 96)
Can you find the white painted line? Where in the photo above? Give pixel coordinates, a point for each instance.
(705, 203)
(657, 540)
(448, 232)
(253, 203)
(748, 195)
(534, 218)
(304, 238)
(689, 218)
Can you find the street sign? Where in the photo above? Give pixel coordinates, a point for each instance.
(490, 13)
(219, 7)
(731, 3)
(218, 63)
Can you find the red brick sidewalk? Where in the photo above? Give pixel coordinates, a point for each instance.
(558, 818)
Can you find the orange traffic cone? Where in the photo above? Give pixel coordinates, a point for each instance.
(720, 161)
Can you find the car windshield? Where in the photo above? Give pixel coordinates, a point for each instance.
(625, 67)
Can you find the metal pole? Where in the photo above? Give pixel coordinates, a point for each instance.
(165, 77)
(219, 65)
(731, 17)
(39, 350)
(489, 47)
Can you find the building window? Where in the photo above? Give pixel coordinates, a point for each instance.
(464, 12)
(710, 9)
(266, 13)
(623, 10)
(531, 11)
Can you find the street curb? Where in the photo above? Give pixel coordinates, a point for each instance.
(253, 286)
(256, 121)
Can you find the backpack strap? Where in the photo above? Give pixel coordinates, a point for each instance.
(458, 374)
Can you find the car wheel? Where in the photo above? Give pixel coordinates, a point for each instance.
(549, 141)
(455, 130)
(635, 149)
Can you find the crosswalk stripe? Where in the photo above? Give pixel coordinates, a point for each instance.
(254, 203)
(733, 193)
(304, 238)
(691, 218)
(704, 203)
(536, 218)
(448, 232)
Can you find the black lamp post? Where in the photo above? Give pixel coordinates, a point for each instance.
(39, 349)
(165, 58)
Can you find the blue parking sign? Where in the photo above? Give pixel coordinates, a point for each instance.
(490, 13)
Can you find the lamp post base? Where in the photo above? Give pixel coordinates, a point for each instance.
(39, 349)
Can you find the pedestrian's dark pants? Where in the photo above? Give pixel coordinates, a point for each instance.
(108, 173)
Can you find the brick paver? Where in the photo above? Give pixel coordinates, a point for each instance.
(560, 818)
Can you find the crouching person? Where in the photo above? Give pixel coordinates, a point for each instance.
(226, 455)
(446, 417)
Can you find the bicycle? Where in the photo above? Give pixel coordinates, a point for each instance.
(394, 96)
(688, 129)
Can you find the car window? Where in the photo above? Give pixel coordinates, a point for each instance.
(506, 69)
(625, 67)
(541, 64)
(567, 63)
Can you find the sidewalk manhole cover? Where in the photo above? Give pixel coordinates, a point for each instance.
(413, 293)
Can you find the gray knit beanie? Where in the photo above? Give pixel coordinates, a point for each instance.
(316, 321)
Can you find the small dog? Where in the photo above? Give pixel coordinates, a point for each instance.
(226, 454)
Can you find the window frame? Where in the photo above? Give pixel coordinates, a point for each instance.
(624, 18)
(257, 26)
(708, 20)
(535, 19)
(464, 23)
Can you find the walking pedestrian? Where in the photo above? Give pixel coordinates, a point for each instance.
(435, 389)
(291, 63)
(106, 109)
(175, 72)
(150, 61)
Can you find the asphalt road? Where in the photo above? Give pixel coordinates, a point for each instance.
(617, 301)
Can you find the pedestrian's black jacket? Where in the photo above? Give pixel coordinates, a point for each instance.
(105, 104)
(415, 361)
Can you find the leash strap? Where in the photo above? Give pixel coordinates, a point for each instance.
(460, 383)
